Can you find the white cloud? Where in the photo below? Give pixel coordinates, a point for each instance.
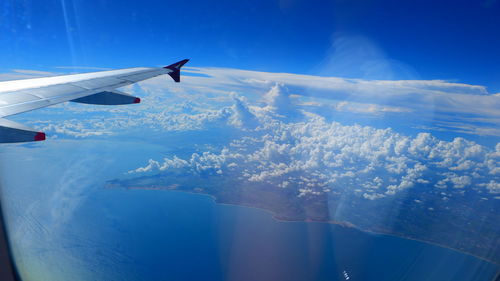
(242, 116)
(174, 163)
(316, 155)
(493, 186)
(460, 181)
(373, 196)
(278, 99)
(75, 128)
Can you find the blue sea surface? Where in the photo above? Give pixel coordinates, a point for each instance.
(170, 235)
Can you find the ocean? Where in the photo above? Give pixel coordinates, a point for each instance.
(171, 235)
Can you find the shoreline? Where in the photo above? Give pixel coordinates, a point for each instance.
(284, 220)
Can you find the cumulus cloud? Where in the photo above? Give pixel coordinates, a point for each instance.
(316, 156)
(279, 102)
(173, 163)
(493, 186)
(74, 128)
(242, 116)
(373, 196)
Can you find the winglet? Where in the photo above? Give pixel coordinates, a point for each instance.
(176, 69)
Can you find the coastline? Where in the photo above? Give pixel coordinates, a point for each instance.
(275, 217)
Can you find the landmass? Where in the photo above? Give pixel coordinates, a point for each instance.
(467, 222)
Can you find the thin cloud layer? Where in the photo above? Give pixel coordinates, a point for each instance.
(429, 100)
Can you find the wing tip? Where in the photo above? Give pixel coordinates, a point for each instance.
(40, 136)
(176, 69)
(177, 65)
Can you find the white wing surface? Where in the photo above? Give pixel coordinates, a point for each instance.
(92, 88)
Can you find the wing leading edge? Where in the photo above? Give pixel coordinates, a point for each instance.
(91, 88)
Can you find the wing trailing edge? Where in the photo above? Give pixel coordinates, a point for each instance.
(114, 97)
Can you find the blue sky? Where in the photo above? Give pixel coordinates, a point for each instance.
(419, 40)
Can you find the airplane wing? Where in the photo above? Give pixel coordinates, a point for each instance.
(19, 96)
